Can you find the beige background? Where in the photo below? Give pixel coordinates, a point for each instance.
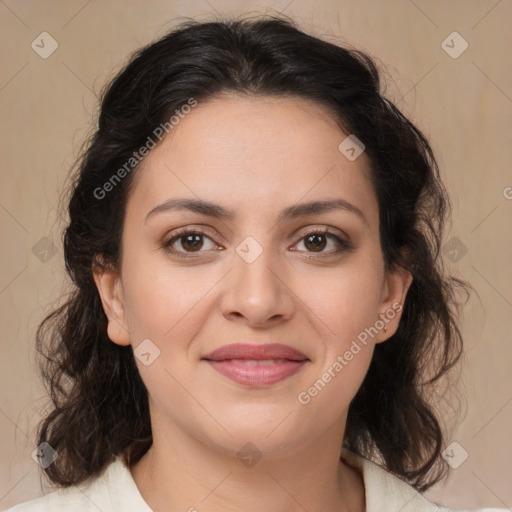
(464, 105)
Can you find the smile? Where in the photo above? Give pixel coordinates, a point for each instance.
(256, 365)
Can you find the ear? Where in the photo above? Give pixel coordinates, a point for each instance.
(394, 291)
(110, 289)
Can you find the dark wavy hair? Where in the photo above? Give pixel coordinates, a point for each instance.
(99, 403)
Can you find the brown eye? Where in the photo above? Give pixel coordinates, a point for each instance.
(188, 242)
(316, 242)
(193, 242)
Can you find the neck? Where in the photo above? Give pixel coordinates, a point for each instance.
(181, 472)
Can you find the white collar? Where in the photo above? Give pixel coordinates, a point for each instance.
(385, 492)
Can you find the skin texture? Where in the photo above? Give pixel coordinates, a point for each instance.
(255, 156)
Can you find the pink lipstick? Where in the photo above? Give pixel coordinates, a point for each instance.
(256, 365)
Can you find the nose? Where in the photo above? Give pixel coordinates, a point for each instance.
(258, 292)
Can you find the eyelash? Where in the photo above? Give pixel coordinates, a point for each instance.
(343, 245)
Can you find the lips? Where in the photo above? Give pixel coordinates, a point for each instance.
(256, 365)
(256, 352)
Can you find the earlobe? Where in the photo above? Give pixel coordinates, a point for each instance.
(395, 290)
(110, 290)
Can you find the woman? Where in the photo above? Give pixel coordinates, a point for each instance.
(259, 311)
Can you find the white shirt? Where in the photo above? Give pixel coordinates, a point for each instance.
(115, 491)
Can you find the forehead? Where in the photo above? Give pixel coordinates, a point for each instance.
(262, 151)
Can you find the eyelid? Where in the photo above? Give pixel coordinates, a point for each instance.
(325, 230)
(192, 228)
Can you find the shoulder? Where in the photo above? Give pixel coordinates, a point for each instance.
(387, 493)
(113, 490)
(71, 498)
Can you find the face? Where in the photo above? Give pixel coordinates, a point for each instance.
(267, 272)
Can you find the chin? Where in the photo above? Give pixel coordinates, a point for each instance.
(273, 433)
(251, 445)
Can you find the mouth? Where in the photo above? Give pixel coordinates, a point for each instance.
(256, 365)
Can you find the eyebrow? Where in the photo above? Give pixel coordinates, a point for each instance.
(292, 212)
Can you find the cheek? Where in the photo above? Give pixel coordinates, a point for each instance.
(160, 301)
(324, 402)
(346, 307)
(168, 307)
(345, 300)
